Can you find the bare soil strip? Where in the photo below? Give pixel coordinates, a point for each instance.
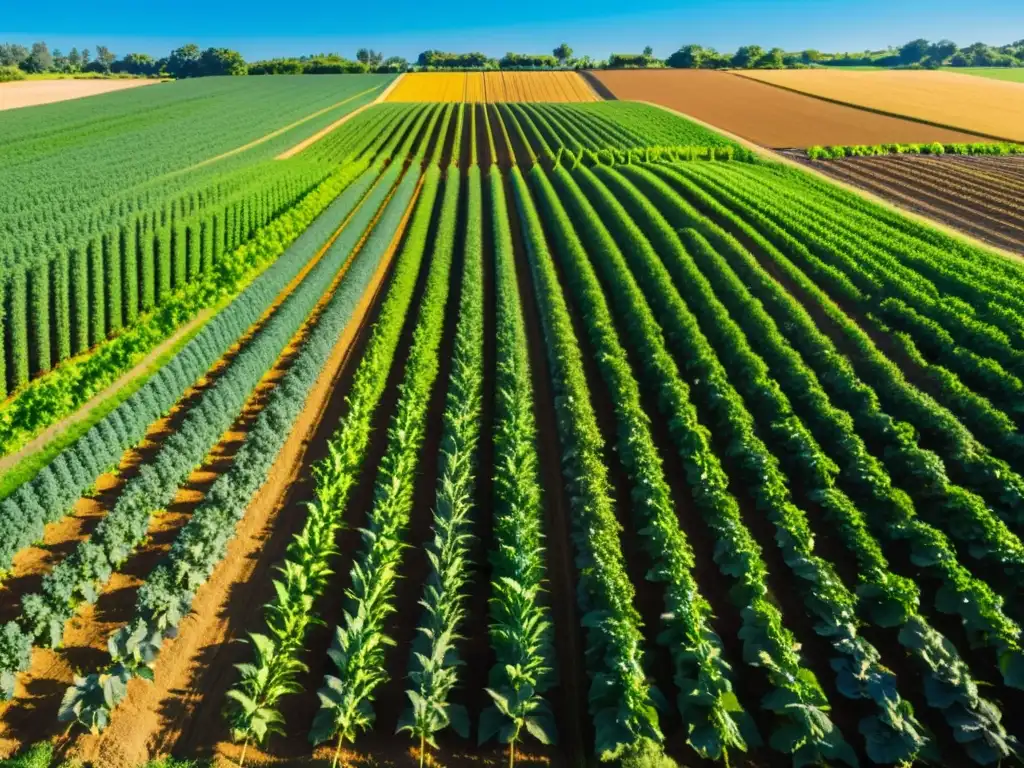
(43, 438)
(32, 715)
(940, 188)
(32, 93)
(305, 143)
(771, 117)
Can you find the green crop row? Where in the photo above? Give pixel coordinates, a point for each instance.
(935, 148)
(305, 572)
(358, 651)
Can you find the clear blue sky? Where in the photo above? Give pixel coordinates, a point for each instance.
(265, 28)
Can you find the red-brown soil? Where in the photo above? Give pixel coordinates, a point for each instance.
(769, 116)
(981, 196)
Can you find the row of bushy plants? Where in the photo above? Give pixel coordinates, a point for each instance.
(54, 491)
(305, 573)
(359, 649)
(81, 575)
(165, 599)
(935, 148)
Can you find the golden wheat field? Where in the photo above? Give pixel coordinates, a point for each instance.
(991, 107)
(475, 87)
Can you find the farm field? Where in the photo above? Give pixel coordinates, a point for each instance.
(770, 117)
(676, 449)
(123, 216)
(977, 195)
(987, 107)
(1011, 74)
(488, 87)
(31, 93)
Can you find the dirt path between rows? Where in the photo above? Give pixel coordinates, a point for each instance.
(41, 440)
(32, 93)
(199, 661)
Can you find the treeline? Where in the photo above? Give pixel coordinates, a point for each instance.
(189, 61)
(366, 60)
(915, 54)
(186, 61)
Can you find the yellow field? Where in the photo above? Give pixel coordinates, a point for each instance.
(991, 107)
(478, 87)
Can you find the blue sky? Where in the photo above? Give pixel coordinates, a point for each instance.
(264, 28)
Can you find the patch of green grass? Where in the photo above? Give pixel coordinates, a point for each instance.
(1011, 74)
(37, 756)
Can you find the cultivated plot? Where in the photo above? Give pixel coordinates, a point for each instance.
(981, 196)
(30, 93)
(477, 87)
(767, 116)
(985, 106)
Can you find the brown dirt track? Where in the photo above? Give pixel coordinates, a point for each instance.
(981, 196)
(769, 116)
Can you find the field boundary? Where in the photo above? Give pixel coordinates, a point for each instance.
(267, 137)
(776, 157)
(308, 142)
(862, 108)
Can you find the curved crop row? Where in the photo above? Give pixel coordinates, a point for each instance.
(620, 696)
(53, 492)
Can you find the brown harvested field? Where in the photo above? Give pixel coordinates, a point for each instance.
(30, 93)
(981, 196)
(994, 108)
(771, 117)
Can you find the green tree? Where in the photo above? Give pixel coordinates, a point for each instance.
(105, 57)
(369, 57)
(136, 64)
(39, 60)
(563, 53)
(747, 56)
(74, 60)
(942, 50)
(86, 58)
(12, 55)
(774, 59)
(60, 61)
(221, 61)
(690, 56)
(914, 51)
(184, 61)
(810, 56)
(649, 52)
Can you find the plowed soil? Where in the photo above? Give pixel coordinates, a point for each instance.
(29, 93)
(991, 107)
(981, 196)
(769, 116)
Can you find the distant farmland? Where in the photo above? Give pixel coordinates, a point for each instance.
(30, 93)
(989, 107)
(768, 116)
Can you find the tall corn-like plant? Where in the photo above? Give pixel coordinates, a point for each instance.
(435, 662)
(520, 624)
